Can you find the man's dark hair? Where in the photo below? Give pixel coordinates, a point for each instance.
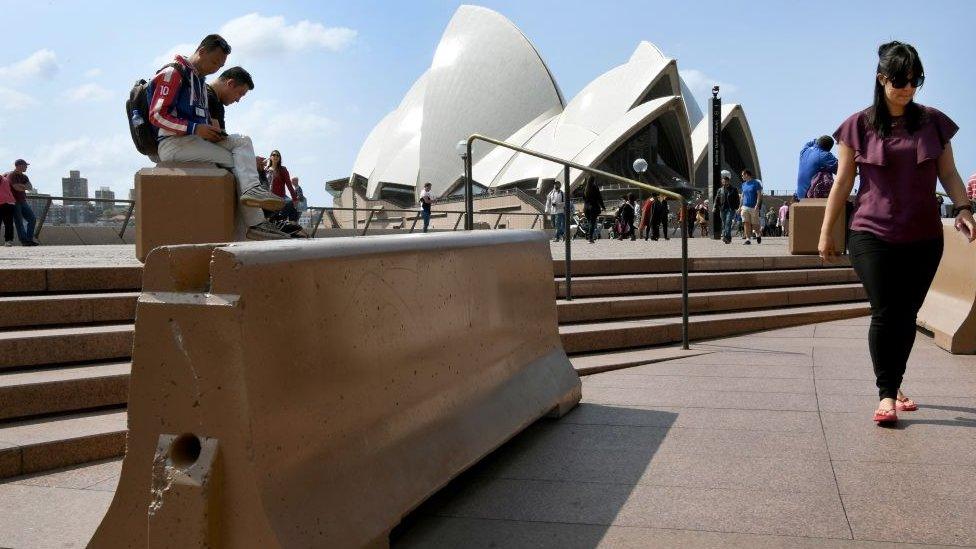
(213, 41)
(747, 172)
(825, 142)
(239, 75)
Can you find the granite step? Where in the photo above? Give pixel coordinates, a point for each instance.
(69, 279)
(27, 348)
(637, 306)
(63, 389)
(20, 311)
(591, 267)
(595, 363)
(51, 443)
(607, 285)
(645, 332)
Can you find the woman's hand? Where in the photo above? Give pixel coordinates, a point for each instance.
(827, 248)
(966, 224)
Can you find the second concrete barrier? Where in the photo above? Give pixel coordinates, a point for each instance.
(949, 310)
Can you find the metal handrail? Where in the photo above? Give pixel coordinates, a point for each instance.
(567, 164)
(50, 199)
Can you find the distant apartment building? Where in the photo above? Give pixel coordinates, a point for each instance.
(77, 212)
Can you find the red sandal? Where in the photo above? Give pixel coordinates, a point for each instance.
(906, 405)
(885, 417)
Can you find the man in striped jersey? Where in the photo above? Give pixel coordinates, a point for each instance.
(178, 109)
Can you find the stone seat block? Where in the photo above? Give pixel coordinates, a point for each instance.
(183, 203)
(949, 310)
(806, 218)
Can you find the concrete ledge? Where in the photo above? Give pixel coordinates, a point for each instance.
(417, 356)
(806, 220)
(949, 310)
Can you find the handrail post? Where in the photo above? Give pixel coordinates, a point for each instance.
(315, 227)
(684, 274)
(368, 221)
(567, 205)
(125, 223)
(40, 224)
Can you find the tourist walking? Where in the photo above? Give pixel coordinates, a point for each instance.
(647, 207)
(784, 218)
(701, 217)
(556, 207)
(815, 157)
(425, 203)
(626, 214)
(24, 219)
(727, 205)
(7, 204)
(898, 148)
(592, 205)
(659, 218)
(751, 201)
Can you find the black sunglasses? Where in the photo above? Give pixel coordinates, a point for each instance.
(899, 82)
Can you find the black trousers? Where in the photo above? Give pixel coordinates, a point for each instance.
(591, 216)
(7, 218)
(659, 224)
(896, 278)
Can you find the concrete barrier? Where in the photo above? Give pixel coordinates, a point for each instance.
(183, 203)
(311, 394)
(806, 219)
(949, 310)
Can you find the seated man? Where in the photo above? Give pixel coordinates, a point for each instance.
(815, 157)
(179, 110)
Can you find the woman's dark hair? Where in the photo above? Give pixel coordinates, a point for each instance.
(274, 152)
(898, 61)
(590, 188)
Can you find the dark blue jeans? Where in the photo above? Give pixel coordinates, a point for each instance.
(24, 221)
(425, 214)
(727, 217)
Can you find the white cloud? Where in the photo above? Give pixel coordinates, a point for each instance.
(40, 64)
(93, 73)
(268, 123)
(87, 92)
(110, 161)
(255, 34)
(13, 100)
(701, 84)
(259, 36)
(166, 58)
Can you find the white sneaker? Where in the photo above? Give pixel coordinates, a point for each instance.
(259, 197)
(266, 231)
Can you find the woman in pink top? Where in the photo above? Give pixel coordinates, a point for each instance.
(7, 205)
(898, 148)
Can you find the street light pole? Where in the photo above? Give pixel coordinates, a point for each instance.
(715, 159)
(464, 149)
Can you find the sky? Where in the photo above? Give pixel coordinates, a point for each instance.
(327, 72)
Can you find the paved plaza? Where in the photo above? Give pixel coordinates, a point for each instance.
(764, 441)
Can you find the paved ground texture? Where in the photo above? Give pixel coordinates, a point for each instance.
(124, 255)
(764, 442)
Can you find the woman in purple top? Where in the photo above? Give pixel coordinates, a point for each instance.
(900, 148)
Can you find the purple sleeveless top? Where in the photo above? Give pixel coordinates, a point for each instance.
(896, 195)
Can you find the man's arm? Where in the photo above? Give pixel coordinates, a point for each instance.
(829, 162)
(166, 88)
(18, 182)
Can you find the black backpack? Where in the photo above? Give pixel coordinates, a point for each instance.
(137, 114)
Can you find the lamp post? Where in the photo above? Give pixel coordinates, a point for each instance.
(464, 151)
(715, 159)
(640, 166)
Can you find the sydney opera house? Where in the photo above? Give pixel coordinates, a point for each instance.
(486, 77)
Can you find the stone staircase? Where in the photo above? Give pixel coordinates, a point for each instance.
(622, 311)
(65, 342)
(66, 335)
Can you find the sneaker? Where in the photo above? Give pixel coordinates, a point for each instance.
(259, 197)
(294, 230)
(266, 231)
(30, 243)
(9, 243)
(747, 242)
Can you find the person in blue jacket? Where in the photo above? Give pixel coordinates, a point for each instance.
(814, 158)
